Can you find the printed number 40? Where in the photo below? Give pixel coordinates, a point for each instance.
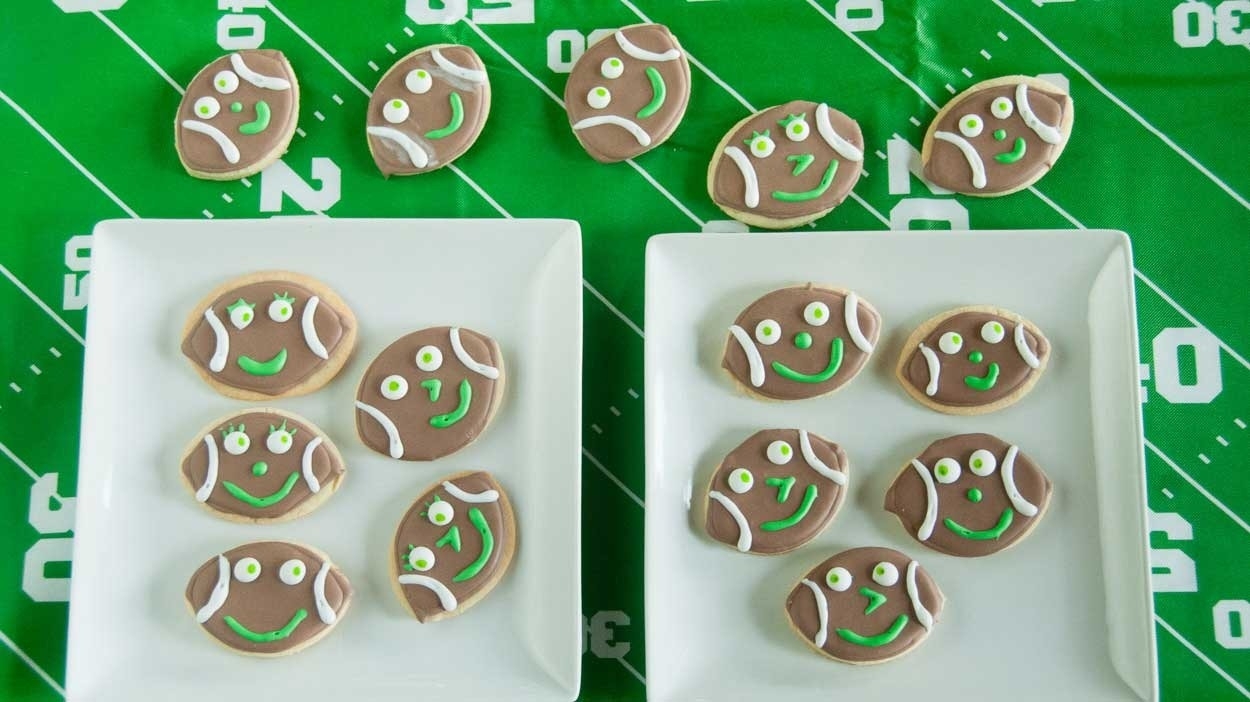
(452, 11)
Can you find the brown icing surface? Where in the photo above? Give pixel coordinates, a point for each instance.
(948, 167)
(278, 468)
(429, 111)
(760, 504)
(199, 152)
(412, 413)
(417, 529)
(907, 497)
(847, 608)
(952, 388)
(775, 172)
(267, 604)
(786, 307)
(263, 338)
(628, 93)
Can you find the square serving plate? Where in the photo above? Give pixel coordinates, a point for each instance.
(140, 535)
(1066, 614)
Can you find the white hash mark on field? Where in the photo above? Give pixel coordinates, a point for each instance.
(207, 214)
(1002, 36)
(1167, 493)
(391, 48)
(1222, 441)
(226, 197)
(632, 393)
(335, 97)
(597, 429)
(1240, 424)
(374, 66)
(1203, 457)
(320, 117)
(35, 369)
(409, 32)
(52, 350)
(300, 131)
(15, 387)
(986, 55)
(614, 411)
(246, 183)
(914, 121)
(1194, 484)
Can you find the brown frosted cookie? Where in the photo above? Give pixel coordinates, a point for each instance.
(973, 360)
(428, 109)
(269, 334)
(801, 342)
(776, 491)
(628, 92)
(453, 546)
(264, 465)
(969, 495)
(865, 605)
(237, 116)
(997, 137)
(268, 598)
(787, 165)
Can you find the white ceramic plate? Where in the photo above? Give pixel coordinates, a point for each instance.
(1065, 614)
(140, 535)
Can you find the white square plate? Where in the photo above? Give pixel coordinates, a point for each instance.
(140, 535)
(1066, 614)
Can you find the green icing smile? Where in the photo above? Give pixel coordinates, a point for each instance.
(982, 384)
(835, 362)
(271, 367)
(658, 91)
(266, 636)
(825, 181)
(985, 534)
(442, 421)
(266, 501)
(809, 497)
(261, 123)
(457, 119)
(875, 599)
(881, 639)
(488, 545)
(1015, 154)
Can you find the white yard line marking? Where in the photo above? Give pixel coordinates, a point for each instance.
(872, 210)
(595, 461)
(142, 54)
(52, 350)
(478, 189)
(374, 66)
(986, 55)
(19, 462)
(628, 322)
(38, 670)
(1167, 493)
(226, 197)
(1222, 440)
(316, 47)
(1192, 319)
(43, 306)
(632, 393)
(391, 48)
(1240, 424)
(207, 214)
(1203, 457)
(1202, 657)
(15, 387)
(35, 369)
(320, 117)
(335, 97)
(633, 671)
(596, 428)
(614, 411)
(1205, 493)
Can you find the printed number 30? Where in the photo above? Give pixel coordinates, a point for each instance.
(452, 11)
(1195, 24)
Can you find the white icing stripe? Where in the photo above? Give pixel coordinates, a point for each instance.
(753, 354)
(445, 596)
(475, 497)
(314, 485)
(310, 329)
(479, 368)
(923, 615)
(931, 500)
(845, 149)
(744, 529)
(210, 478)
(416, 154)
(639, 133)
(974, 159)
(805, 445)
(324, 610)
(1008, 469)
(751, 196)
(1045, 132)
(642, 54)
(469, 74)
(257, 79)
(220, 592)
(935, 368)
(218, 362)
(228, 149)
(822, 609)
(1022, 346)
(850, 308)
(392, 432)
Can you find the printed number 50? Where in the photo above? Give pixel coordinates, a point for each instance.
(452, 11)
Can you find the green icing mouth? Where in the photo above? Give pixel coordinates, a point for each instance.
(1015, 154)
(266, 636)
(991, 534)
(881, 639)
(261, 123)
(457, 119)
(488, 546)
(981, 384)
(658, 93)
(835, 362)
(809, 497)
(271, 367)
(266, 501)
(825, 181)
(442, 421)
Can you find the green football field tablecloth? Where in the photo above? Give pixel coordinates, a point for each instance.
(1159, 150)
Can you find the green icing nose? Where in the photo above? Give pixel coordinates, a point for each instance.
(975, 357)
(974, 495)
(259, 468)
(1000, 134)
(803, 340)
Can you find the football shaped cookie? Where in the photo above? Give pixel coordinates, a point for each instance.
(973, 360)
(453, 546)
(998, 136)
(269, 598)
(865, 605)
(801, 342)
(969, 495)
(269, 334)
(265, 465)
(786, 166)
(628, 92)
(776, 491)
(430, 393)
(428, 109)
(237, 116)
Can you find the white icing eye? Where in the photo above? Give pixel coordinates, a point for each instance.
(946, 470)
(599, 97)
(950, 343)
(816, 313)
(292, 572)
(280, 310)
(1002, 107)
(418, 81)
(982, 462)
(741, 480)
(396, 111)
(780, 453)
(421, 558)
(246, 570)
(761, 145)
(768, 332)
(241, 316)
(226, 82)
(429, 358)
(992, 332)
(612, 67)
(838, 579)
(885, 573)
(236, 442)
(207, 107)
(279, 440)
(797, 129)
(440, 513)
(971, 125)
(394, 387)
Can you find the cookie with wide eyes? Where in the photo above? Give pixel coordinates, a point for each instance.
(238, 115)
(787, 165)
(801, 342)
(269, 598)
(430, 393)
(997, 137)
(265, 465)
(776, 491)
(453, 546)
(865, 605)
(428, 109)
(969, 495)
(628, 92)
(973, 360)
(269, 334)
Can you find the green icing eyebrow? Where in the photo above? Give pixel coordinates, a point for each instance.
(284, 297)
(239, 303)
(274, 430)
(754, 135)
(785, 122)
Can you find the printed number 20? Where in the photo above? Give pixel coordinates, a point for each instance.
(278, 180)
(452, 11)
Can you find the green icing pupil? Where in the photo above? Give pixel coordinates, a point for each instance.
(768, 331)
(439, 518)
(395, 104)
(943, 470)
(247, 316)
(818, 313)
(394, 385)
(745, 477)
(285, 439)
(956, 339)
(297, 570)
(242, 441)
(427, 358)
(421, 563)
(785, 450)
(251, 567)
(978, 463)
